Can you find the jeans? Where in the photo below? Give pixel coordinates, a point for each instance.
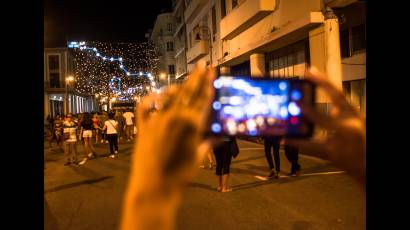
(269, 143)
(113, 140)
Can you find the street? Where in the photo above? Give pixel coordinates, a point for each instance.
(323, 197)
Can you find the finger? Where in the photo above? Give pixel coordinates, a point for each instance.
(317, 117)
(334, 93)
(167, 97)
(191, 87)
(310, 147)
(202, 104)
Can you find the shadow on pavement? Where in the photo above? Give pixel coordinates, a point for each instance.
(79, 183)
(301, 225)
(50, 222)
(247, 159)
(203, 186)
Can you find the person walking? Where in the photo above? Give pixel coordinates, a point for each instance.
(129, 124)
(292, 154)
(70, 140)
(101, 119)
(87, 134)
(269, 144)
(112, 135)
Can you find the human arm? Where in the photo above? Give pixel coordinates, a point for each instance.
(164, 158)
(345, 143)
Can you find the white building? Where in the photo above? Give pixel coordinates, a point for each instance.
(162, 36)
(281, 39)
(60, 96)
(180, 42)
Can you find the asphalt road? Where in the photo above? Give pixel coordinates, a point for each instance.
(323, 197)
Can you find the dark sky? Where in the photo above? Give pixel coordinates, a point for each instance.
(92, 20)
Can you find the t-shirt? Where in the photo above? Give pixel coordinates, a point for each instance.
(71, 128)
(128, 118)
(111, 126)
(87, 125)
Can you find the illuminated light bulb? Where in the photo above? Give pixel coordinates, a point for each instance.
(140, 73)
(121, 66)
(104, 58)
(149, 74)
(98, 54)
(111, 59)
(95, 49)
(120, 59)
(128, 74)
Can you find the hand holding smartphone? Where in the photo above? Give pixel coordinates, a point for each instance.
(261, 107)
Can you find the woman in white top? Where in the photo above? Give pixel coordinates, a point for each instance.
(111, 130)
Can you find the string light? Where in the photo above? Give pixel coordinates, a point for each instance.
(97, 63)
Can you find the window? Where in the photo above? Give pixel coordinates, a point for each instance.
(169, 27)
(54, 80)
(53, 62)
(223, 9)
(358, 38)
(234, 3)
(344, 43)
(170, 46)
(213, 22)
(171, 69)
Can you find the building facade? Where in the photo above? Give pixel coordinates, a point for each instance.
(60, 96)
(162, 36)
(180, 41)
(272, 38)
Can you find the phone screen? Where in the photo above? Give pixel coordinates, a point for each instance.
(260, 107)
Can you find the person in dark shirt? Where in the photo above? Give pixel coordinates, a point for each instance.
(87, 134)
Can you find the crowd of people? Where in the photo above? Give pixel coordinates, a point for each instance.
(67, 131)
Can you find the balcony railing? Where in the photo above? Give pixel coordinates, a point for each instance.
(243, 17)
(199, 50)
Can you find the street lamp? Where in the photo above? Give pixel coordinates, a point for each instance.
(67, 81)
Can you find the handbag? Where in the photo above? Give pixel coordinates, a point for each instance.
(234, 148)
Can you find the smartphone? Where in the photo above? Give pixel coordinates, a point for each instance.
(245, 106)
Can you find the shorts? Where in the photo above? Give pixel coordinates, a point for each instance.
(87, 133)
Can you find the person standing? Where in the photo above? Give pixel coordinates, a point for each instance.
(223, 156)
(58, 131)
(121, 123)
(129, 124)
(87, 134)
(96, 127)
(70, 140)
(101, 119)
(269, 144)
(112, 135)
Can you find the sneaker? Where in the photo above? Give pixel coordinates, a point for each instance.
(106, 142)
(67, 163)
(112, 156)
(90, 155)
(276, 175)
(102, 141)
(83, 161)
(227, 190)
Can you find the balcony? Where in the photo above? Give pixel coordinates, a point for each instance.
(243, 17)
(193, 9)
(199, 50)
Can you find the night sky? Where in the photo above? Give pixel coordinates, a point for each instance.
(92, 20)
